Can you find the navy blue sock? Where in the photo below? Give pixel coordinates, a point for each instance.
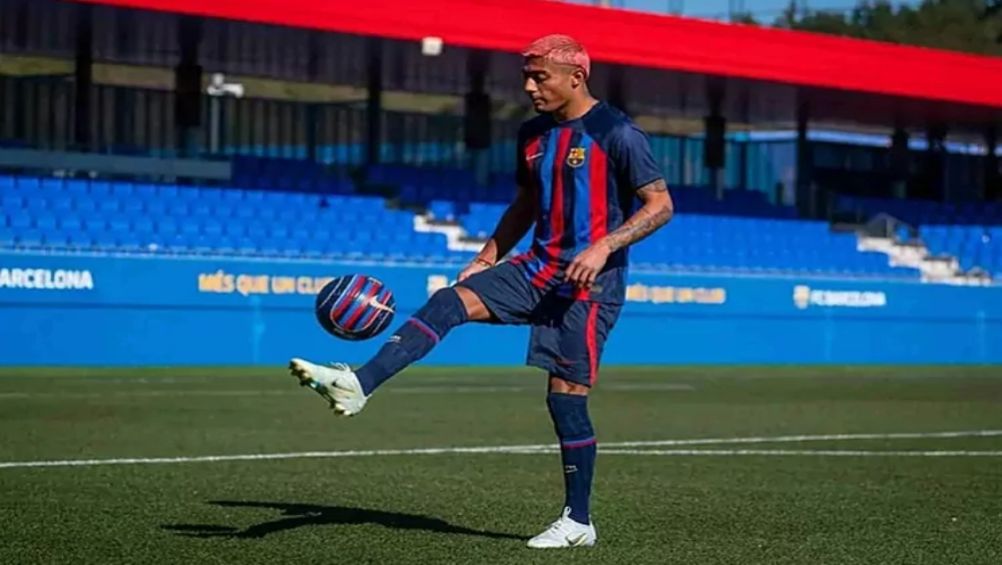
(577, 450)
(414, 339)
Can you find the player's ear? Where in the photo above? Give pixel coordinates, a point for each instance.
(577, 78)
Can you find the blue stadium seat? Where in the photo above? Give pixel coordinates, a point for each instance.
(146, 191)
(19, 222)
(166, 226)
(143, 225)
(121, 190)
(233, 196)
(132, 205)
(45, 221)
(246, 246)
(212, 228)
(70, 223)
(28, 184)
(11, 203)
(235, 229)
(7, 238)
(29, 238)
(84, 206)
(189, 229)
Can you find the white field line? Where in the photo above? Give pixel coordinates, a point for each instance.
(806, 438)
(799, 452)
(472, 389)
(612, 448)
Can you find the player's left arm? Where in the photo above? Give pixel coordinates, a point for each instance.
(657, 210)
(635, 164)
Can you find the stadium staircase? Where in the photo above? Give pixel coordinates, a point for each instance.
(947, 243)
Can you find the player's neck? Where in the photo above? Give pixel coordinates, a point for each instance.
(574, 109)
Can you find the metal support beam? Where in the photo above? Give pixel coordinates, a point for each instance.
(900, 162)
(935, 164)
(477, 116)
(83, 74)
(374, 101)
(617, 90)
(714, 144)
(992, 176)
(188, 86)
(806, 197)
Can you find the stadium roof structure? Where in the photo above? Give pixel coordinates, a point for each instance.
(844, 79)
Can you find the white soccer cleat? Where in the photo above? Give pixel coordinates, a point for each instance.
(565, 533)
(337, 384)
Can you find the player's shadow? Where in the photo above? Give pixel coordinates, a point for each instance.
(304, 515)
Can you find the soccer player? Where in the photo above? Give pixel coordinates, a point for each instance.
(587, 180)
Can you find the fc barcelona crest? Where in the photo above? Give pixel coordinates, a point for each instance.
(576, 156)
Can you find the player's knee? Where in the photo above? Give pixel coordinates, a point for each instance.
(476, 310)
(443, 311)
(561, 385)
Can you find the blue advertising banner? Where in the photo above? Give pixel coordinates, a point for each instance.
(89, 310)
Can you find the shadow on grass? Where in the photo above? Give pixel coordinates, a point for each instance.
(307, 515)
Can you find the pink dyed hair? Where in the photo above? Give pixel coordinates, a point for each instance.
(560, 49)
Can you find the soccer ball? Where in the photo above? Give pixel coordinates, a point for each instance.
(355, 307)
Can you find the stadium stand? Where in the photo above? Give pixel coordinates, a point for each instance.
(741, 232)
(305, 214)
(145, 218)
(971, 232)
(710, 243)
(973, 246)
(924, 212)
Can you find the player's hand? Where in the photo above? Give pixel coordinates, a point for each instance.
(476, 266)
(586, 266)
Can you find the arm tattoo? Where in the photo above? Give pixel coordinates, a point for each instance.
(645, 222)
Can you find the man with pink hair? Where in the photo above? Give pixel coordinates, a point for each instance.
(582, 168)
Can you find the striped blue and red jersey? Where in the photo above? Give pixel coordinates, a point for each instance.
(584, 174)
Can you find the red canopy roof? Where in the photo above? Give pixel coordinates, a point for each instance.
(638, 39)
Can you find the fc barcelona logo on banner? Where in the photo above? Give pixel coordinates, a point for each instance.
(576, 157)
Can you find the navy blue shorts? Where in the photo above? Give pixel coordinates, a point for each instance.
(567, 335)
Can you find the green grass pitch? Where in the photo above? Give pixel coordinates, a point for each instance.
(910, 498)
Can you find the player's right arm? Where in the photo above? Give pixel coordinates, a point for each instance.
(514, 224)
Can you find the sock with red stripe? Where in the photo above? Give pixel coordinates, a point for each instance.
(577, 450)
(414, 339)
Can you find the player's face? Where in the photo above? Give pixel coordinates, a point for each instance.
(549, 86)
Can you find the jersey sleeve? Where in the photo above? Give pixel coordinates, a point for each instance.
(633, 159)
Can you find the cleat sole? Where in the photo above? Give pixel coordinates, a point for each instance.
(306, 380)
